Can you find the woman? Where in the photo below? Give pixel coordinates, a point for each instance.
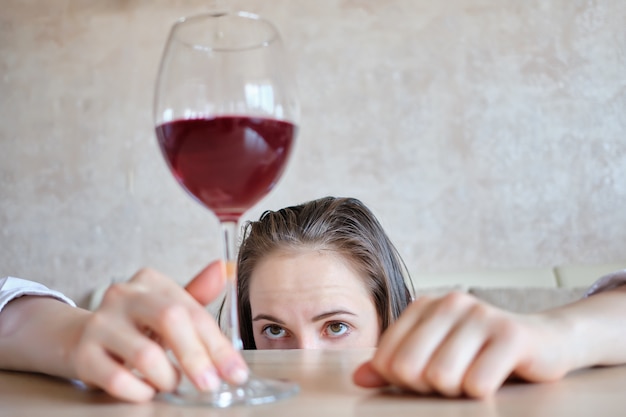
(322, 274)
(331, 254)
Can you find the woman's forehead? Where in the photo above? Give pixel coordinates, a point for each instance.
(320, 250)
(306, 270)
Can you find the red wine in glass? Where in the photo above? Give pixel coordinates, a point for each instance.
(228, 163)
(225, 114)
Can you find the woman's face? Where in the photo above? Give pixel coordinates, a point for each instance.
(311, 300)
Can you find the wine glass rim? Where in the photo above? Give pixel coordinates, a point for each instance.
(275, 35)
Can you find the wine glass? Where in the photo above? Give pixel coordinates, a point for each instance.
(226, 118)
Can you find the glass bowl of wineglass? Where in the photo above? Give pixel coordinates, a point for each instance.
(226, 116)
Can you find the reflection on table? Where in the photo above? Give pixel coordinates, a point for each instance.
(325, 378)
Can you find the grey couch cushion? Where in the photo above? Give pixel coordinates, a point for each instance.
(528, 300)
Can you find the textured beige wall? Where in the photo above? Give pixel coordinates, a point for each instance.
(484, 133)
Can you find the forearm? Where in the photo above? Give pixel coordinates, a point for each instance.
(595, 330)
(38, 334)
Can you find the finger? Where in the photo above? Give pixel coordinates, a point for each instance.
(367, 377)
(227, 359)
(125, 342)
(413, 352)
(148, 282)
(495, 362)
(395, 333)
(208, 284)
(448, 365)
(205, 287)
(175, 325)
(385, 361)
(96, 367)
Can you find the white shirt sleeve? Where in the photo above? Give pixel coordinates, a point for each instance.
(12, 288)
(608, 282)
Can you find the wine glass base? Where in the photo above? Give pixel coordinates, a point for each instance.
(255, 391)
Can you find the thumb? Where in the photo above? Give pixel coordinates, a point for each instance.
(366, 376)
(208, 284)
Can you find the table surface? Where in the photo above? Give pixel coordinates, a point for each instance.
(325, 378)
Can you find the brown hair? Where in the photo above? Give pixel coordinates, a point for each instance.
(343, 225)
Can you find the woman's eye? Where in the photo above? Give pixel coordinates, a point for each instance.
(274, 332)
(337, 329)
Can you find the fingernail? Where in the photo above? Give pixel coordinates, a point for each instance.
(208, 380)
(238, 375)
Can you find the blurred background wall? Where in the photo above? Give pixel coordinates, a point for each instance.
(485, 134)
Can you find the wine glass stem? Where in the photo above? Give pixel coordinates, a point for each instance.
(229, 234)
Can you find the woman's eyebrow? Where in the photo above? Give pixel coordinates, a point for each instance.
(316, 318)
(268, 318)
(332, 313)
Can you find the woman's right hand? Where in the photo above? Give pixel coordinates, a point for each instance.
(122, 346)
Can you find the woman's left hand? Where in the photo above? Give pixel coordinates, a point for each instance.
(458, 345)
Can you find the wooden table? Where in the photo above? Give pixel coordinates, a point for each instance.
(327, 391)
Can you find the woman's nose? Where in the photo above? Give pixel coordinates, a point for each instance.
(308, 342)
